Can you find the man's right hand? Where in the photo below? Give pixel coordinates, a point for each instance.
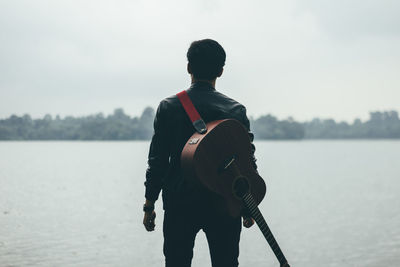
(149, 220)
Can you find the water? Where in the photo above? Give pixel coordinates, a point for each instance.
(329, 203)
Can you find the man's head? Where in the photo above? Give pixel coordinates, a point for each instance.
(206, 59)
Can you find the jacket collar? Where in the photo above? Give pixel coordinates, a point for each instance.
(202, 86)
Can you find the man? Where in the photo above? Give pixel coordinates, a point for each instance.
(189, 208)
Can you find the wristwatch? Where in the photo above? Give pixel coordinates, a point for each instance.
(148, 208)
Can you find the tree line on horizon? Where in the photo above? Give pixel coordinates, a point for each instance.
(120, 126)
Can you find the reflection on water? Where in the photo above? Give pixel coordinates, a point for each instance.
(329, 203)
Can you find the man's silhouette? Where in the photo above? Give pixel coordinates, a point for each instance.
(189, 208)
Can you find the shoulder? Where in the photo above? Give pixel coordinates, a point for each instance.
(235, 106)
(237, 110)
(168, 103)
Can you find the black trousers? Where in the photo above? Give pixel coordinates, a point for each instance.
(180, 229)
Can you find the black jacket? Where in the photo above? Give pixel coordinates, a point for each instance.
(172, 129)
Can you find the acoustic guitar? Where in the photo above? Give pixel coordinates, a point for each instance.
(219, 156)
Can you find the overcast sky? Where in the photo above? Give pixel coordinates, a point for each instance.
(305, 59)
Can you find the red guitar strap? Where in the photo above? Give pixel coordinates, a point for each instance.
(191, 111)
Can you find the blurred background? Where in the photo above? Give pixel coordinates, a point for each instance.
(320, 80)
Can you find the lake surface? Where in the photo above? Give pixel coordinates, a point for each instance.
(329, 203)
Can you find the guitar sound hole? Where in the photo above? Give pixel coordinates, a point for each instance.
(240, 186)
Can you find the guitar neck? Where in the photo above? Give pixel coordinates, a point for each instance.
(255, 213)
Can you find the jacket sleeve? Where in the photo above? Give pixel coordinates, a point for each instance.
(158, 159)
(246, 124)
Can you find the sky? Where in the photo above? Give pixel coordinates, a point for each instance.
(310, 58)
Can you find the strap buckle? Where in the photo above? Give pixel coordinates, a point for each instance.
(200, 126)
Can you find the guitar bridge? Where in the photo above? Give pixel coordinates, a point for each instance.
(229, 162)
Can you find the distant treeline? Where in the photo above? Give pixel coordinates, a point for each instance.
(119, 126)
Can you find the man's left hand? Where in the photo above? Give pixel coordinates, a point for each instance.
(248, 222)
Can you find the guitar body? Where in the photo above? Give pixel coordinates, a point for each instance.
(205, 158)
(218, 156)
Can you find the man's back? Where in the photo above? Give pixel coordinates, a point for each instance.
(173, 128)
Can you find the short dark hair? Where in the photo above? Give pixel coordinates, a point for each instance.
(206, 59)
